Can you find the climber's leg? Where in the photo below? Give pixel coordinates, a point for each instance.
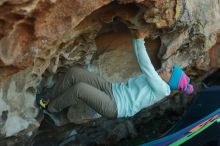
(77, 74)
(93, 97)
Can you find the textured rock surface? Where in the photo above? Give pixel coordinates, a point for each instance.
(214, 54)
(37, 37)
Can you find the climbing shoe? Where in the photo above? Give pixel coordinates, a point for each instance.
(42, 100)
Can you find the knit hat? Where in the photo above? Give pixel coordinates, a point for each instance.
(179, 80)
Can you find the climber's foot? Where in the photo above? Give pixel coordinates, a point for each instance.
(42, 100)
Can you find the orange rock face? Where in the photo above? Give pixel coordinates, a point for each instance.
(46, 23)
(30, 34)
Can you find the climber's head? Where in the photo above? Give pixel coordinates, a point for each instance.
(177, 79)
(165, 74)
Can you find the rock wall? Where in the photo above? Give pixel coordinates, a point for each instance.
(39, 37)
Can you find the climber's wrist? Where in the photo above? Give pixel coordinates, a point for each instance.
(140, 34)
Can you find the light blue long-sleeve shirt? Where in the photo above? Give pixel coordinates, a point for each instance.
(140, 91)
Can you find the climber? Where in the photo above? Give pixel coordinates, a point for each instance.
(114, 100)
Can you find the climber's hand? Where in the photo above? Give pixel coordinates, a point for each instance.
(140, 33)
(143, 32)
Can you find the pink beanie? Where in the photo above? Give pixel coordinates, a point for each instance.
(184, 85)
(179, 80)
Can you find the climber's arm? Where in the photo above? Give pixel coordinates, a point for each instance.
(155, 81)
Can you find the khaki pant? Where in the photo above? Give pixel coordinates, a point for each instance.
(79, 84)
